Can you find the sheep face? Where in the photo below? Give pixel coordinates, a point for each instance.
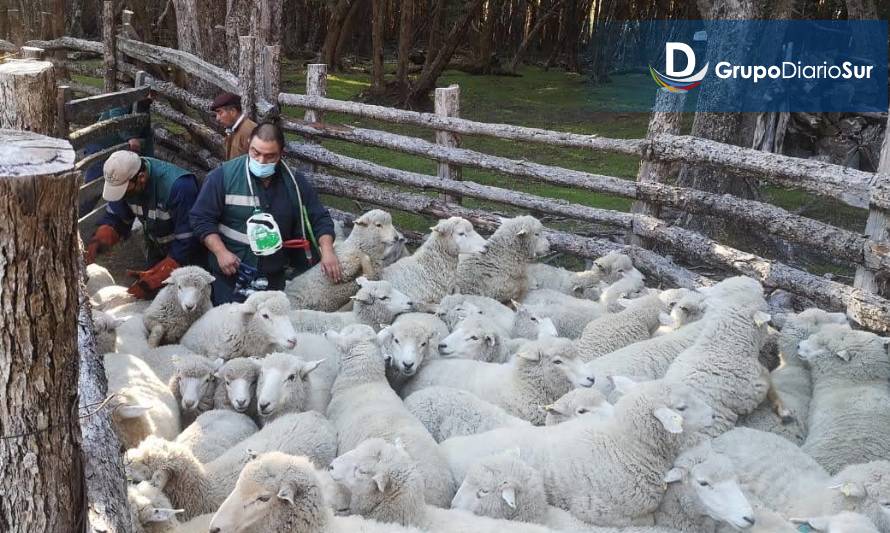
(675, 407)
(274, 492)
(501, 486)
(611, 267)
(266, 314)
(865, 488)
(531, 235)
(105, 323)
(374, 230)
(460, 236)
(531, 324)
(559, 358)
(404, 349)
(454, 314)
(838, 350)
(192, 286)
(365, 471)
(381, 293)
(796, 328)
(579, 402)
(196, 378)
(239, 377)
(351, 337)
(712, 482)
(149, 507)
(283, 383)
(684, 310)
(471, 339)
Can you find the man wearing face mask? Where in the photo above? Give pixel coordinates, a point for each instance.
(256, 216)
(160, 195)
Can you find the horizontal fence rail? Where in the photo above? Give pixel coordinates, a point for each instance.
(201, 150)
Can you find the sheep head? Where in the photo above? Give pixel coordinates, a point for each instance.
(459, 235)
(502, 486)
(283, 383)
(383, 294)
(239, 377)
(558, 359)
(374, 233)
(265, 316)
(192, 286)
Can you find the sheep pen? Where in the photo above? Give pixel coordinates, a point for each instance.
(617, 383)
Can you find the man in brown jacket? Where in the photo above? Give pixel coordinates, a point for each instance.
(227, 107)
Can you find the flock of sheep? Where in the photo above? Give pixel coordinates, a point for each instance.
(468, 388)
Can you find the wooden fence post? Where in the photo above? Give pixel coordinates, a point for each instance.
(666, 117)
(41, 473)
(269, 78)
(247, 74)
(877, 228)
(316, 85)
(109, 34)
(27, 90)
(63, 94)
(448, 105)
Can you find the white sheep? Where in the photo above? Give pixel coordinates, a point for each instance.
(410, 341)
(428, 274)
(236, 387)
(142, 404)
(579, 402)
(629, 285)
(569, 314)
(845, 522)
(849, 416)
(448, 412)
(703, 492)
(542, 371)
(375, 303)
(152, 512)
(98, 277)
(113, 299)
(105, 329)
(360, 254)
(499, 271)
(363, 405)
(256, 327)
(283, 385)
(285, 494)
(184, 298)
(214, 432)
(198, 488)
(688, 309)
(131, 336)
(792, 377)
(593, 469)
(722, 365)
(456, 307)
(193, 385)
(478, 338)
(314, 347)
(586, 284)
(531, 324)
(163, 359)
(636, 323)
(385, 484)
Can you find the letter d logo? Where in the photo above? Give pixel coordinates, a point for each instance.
(678, 81)
(670, 48)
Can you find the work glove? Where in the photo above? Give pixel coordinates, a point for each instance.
(149, 281)
(104, 238)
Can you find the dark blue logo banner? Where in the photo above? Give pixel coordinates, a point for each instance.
(762, 65)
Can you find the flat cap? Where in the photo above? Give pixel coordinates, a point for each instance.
(224, 100)
(118, 170)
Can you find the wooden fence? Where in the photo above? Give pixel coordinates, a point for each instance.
(258, 83)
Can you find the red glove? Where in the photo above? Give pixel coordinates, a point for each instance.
(149, 281)
(104, 238)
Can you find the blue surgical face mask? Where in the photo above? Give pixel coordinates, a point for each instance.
(260, 170)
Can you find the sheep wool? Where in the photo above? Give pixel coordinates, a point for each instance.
(541, 373)
(579, 402)
(447, 412)
(105, 329)
(256, 327)
(361, 253)
(184, 298)
(364, 406)
(199, 488)
(214, 432)
(456, 307)
(849, 417)
(375, 303)
(193, 385)
(98, 277)
(613, 332)
(569, 314)
(428, 275)
(499, 271)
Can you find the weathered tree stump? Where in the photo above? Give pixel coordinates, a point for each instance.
(28, 96)
(41, 474)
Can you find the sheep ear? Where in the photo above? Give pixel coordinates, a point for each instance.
(622, 384)
(521, 232)
(671, 420)
(168, 281)
(674, 475)
(844, 354)
(118, 322)
(361, 280)
(761, 318)
(850, 489)
(551, 408)
(160, 514)
(309, 367)
(490, 340)
(529, 354)
(132, 411)
(365, 298)
(508, 494)
(382, 481)
(454, 290)
(384, 334)
(286, 493)
(516, 305)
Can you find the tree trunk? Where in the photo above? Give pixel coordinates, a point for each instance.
(419, 94)
(436, 29)
(195, 22)
(406, 32)
(332, 37)
(861, 10)
(41, 476)
(378, 14)
(484, 49)
(28, 96)
(346, 31)
(533, 34)
(722, 127)
(237, 24)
